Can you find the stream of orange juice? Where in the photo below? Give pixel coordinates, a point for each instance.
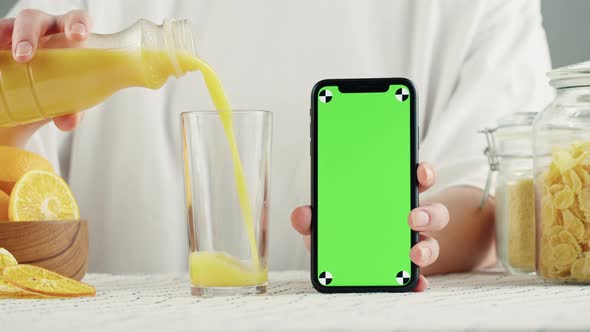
(219, 269)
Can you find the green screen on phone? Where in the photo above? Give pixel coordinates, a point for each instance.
(364, 187)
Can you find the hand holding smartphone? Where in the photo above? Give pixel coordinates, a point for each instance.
(364, 156)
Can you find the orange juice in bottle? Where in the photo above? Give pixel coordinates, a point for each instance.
(64, 78)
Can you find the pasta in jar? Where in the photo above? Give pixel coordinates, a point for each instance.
(564, 227)
(510, 157)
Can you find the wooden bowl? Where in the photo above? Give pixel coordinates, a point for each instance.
(59, 246)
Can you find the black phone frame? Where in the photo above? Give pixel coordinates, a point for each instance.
(351, 86)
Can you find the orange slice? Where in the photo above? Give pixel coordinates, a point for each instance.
(42, 195)
(6, 259)
(41, 281)
(7, 290)
(4, 199)
(15, 162)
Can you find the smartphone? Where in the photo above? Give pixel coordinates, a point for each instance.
(364, 150)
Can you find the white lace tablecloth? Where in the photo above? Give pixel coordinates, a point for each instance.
(140, 303)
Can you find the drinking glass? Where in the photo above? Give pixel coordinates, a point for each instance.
(227, 179)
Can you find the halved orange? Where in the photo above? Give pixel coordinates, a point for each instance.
(41, 281)
(15, 162)
(42, 195)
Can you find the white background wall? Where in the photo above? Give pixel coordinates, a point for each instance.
(566, 23)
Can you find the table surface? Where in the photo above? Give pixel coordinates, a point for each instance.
(476, 301)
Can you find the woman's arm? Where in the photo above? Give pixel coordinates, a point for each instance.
(458, 235)
(468, 241)
(18, 136)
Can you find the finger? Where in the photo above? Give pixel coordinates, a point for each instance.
(422, 284)
(426, 176)
(76, 24)
(425, 252)
(429, 218)
(307, 242)
(29, 26)
(6, 27)
(301, 219)
(68, 122)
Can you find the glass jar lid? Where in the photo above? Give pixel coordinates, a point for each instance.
(512, 138)
(570, 76)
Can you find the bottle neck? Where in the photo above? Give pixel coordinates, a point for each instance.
(167, 50)
(178, 43)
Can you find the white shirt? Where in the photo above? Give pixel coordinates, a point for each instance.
(471, 60)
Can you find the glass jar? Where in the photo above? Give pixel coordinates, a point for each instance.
(510, 157)
(562, 178)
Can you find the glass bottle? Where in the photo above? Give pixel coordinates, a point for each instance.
(510, 156)
(562, 178)
(65, 77)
